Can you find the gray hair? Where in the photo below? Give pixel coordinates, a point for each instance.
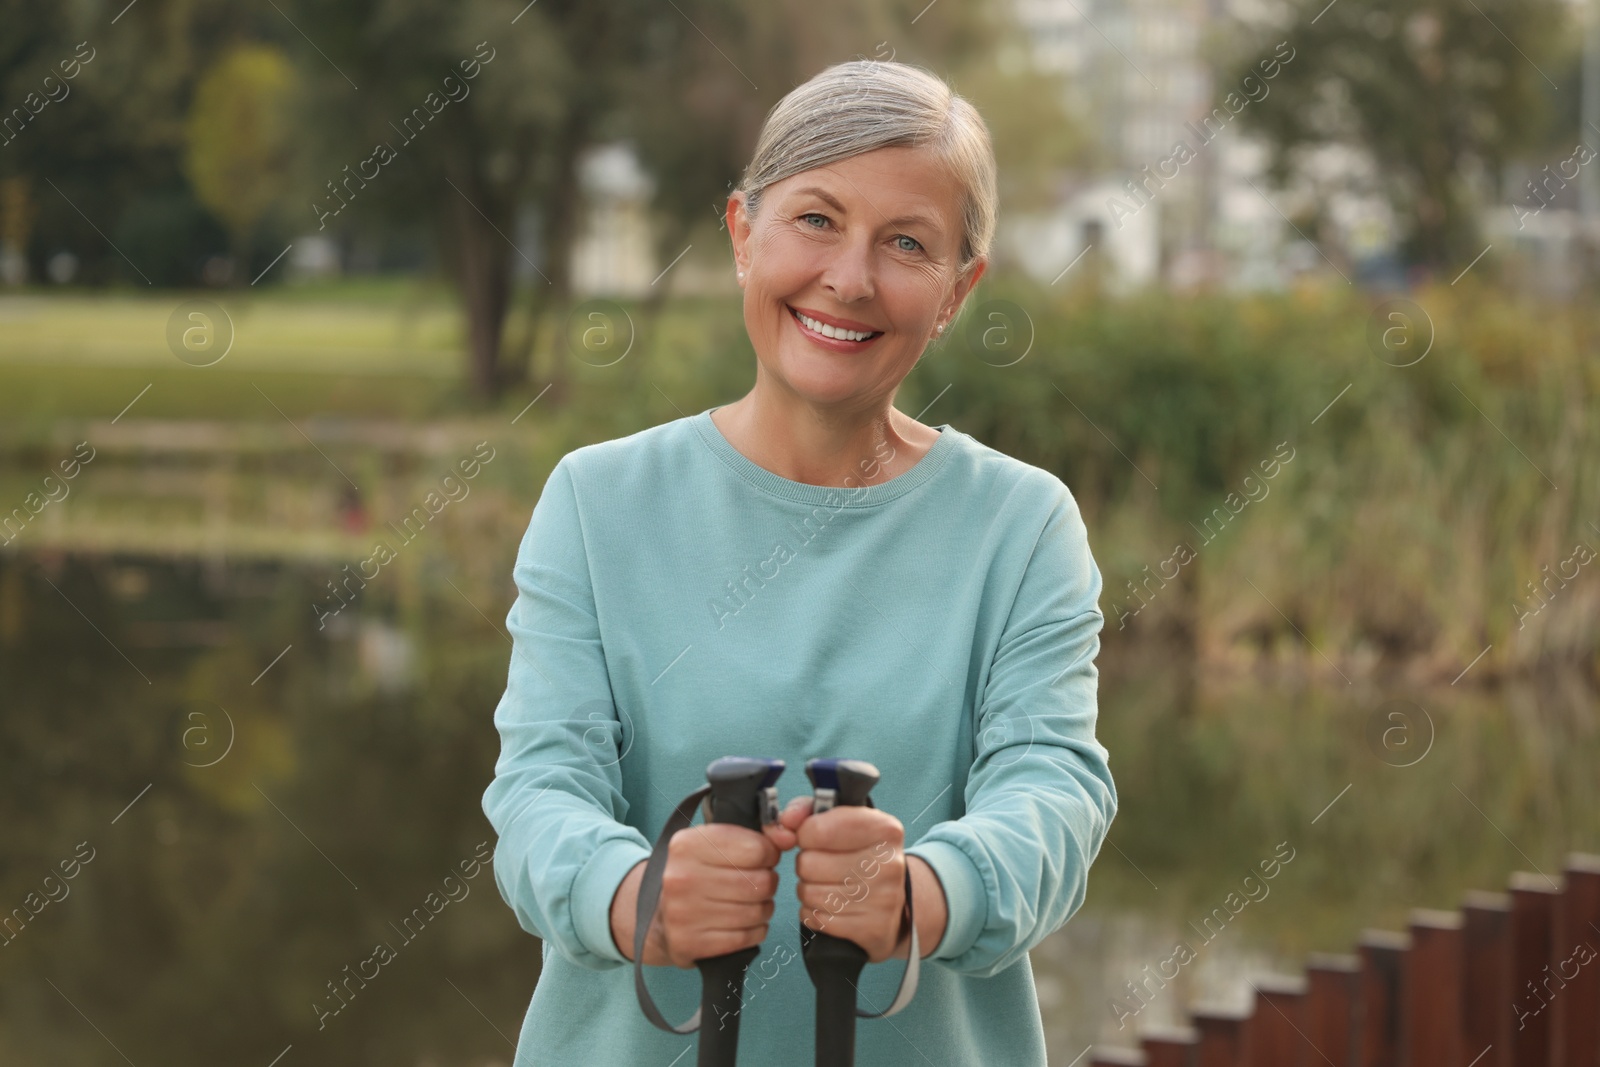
(863, 105)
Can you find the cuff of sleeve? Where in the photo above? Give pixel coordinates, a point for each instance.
(593, 891)
(966, 901)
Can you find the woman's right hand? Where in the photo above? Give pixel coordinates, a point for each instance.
(717, 891)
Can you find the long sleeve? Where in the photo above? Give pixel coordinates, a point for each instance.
(556, 800)
(1039, 797)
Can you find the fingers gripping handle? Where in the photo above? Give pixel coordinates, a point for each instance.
(741, 791)
(744, 793)
(835, 963)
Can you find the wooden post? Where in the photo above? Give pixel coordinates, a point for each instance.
(1383, 957)
(1169, 1047)
(1221, 1038)
(1431, 1024)
(1276, 1029)
(1533, 905)
(1487, 996)
(1575, 959)
(1117, 1057)
(1335, 986)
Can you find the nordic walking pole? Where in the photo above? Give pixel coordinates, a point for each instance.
(742, 793)
(739, 790)
(834, 963)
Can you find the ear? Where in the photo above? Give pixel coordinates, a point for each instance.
(739, 229)
(963, 286)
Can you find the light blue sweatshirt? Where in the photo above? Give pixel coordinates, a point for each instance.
(678, 602)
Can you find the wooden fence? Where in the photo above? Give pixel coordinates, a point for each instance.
(1510, 980)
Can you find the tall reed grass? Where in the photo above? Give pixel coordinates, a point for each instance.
(1430, 513)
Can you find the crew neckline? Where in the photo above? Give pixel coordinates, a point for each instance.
(836, 495)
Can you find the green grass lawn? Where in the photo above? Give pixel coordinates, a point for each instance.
(363, 347)
(370, 348)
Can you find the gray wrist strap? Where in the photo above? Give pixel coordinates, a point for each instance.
(908, 979)
(649, 897)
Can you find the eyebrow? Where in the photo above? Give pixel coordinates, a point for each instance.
(901, 220)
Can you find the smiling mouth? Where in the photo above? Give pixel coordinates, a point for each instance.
(839, 340)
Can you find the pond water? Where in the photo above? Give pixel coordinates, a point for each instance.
(248, 803)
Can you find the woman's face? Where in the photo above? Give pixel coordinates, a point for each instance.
(870, 245)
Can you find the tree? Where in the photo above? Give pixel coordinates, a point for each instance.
(1434, 92)
(237, 139)
(461, 113)
(100, 158)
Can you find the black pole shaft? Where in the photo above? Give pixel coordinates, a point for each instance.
(721, 997)
(835, 965)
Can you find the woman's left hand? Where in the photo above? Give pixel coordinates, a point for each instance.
(851, 870)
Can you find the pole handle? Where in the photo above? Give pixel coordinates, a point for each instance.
(743, 793)
(738, 790)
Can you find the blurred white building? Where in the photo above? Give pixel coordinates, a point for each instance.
(1062, 244)
(614, 252)
(1184, 201)
(612, 255)
(1542, 230)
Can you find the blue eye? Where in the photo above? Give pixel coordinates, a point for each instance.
(813, 215)
(913, 240)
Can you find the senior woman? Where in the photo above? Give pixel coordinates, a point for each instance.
(808, 572)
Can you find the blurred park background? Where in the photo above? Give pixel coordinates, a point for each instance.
(271, 269)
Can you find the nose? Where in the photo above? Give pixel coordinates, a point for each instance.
(849, 272)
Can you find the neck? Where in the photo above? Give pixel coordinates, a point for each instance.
(797, 440)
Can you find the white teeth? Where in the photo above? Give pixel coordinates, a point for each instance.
(830, 331)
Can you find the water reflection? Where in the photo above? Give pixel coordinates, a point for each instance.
(279, 817)
(268, 804)
(1456, 790)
